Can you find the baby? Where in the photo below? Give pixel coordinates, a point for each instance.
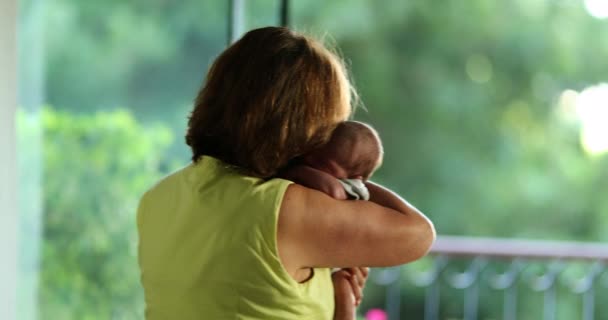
(340, 169)
(342, 166)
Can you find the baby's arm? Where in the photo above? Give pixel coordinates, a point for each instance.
(315, 179)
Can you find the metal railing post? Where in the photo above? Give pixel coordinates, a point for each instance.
(555, 257)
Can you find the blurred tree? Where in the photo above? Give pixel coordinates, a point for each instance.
(464, 96)
(149, 55)
(95, 168)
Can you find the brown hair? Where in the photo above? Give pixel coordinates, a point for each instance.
(270, 97)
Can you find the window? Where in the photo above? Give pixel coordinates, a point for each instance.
(492, 115)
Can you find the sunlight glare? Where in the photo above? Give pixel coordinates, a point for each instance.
(592, 110)
(597, 8)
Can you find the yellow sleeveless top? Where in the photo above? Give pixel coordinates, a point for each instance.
(208, 250)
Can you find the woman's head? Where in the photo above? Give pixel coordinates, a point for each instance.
(270, 97)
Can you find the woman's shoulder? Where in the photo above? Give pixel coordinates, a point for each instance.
(213, 174)
(220, 185)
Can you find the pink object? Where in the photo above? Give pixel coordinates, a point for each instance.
(376, 314)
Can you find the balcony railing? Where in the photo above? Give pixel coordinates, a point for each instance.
(513, 269)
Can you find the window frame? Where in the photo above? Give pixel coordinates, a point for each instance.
(8, 160)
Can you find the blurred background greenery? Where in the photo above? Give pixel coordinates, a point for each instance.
(493, 115)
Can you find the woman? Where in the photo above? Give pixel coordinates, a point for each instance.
(223, 239)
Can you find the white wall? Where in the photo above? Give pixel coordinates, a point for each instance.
(8, 165)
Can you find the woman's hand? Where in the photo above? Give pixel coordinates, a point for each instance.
(348, 291)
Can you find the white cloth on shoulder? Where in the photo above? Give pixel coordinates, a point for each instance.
(355, 188)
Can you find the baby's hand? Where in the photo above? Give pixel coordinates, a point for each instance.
(316, 179)
(348, 290)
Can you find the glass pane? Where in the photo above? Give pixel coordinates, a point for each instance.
(489, 111)
(261, 13)
(106, 87)
(493, 116)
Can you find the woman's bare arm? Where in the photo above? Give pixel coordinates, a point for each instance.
(315, 230)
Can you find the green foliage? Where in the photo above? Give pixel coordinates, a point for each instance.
(150, 55)
(464, 96)
(95, 168)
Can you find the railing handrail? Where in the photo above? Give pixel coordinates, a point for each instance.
(519, 248)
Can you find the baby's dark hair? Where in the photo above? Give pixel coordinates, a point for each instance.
(348, 135)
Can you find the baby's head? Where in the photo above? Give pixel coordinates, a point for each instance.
(353, 152)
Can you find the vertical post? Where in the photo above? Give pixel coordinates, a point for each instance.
(471, 300)
(471, 293)
(393, 296)
(284, 14)
(589, 304)
(587, 286)
(8, 162)
(510, 302)
(432, 295)
(236, 19)
(431, 301)
(550, 307)
(30, 48)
